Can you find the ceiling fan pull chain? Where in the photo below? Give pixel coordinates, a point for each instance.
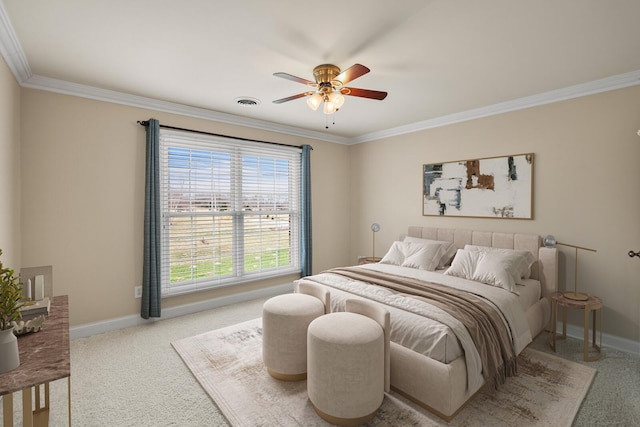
(333, 122)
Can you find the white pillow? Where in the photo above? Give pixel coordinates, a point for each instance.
(520, 261)
(413, 255)
(488, 267)
(464, 264)
(422, 257)
(448, 253)
(395, 254)
(497, 269)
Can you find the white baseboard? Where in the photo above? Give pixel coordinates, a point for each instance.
(611, 341)
(81, 331)
(89, 329)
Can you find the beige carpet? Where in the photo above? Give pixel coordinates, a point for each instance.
(228, 364)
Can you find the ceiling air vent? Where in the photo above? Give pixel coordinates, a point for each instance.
(246, 101)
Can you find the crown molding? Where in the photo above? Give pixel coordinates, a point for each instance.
(91, 92)
(10, 48)
(590, 88)
(14, 56)
(16, 60)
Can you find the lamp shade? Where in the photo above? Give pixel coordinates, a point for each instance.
(315, 101)
(336, 99)
(329, 107)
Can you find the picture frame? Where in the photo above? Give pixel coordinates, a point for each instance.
(490, 187)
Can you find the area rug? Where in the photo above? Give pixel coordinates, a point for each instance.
(228, 364)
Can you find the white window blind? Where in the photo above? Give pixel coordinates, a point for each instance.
(230, 211)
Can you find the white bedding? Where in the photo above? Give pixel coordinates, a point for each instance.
(428, 330)
(530, 291)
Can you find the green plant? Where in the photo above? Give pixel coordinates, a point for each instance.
(10, 295)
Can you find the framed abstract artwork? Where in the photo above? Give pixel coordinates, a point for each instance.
(493, 187)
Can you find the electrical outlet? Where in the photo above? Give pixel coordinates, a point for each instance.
(137, 292)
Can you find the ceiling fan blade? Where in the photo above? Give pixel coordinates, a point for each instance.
(295, 79)
(352, 73)
(363, 93)
(291, 98)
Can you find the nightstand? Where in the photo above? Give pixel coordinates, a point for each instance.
(591, 305)
(368, 260)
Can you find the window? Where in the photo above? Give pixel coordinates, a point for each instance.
(230, 211)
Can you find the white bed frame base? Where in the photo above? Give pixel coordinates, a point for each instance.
(440, 387)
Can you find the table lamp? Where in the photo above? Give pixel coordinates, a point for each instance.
(375, 227)
(575, 295)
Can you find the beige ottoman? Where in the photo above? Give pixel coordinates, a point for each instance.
(285, 319)
(348, 363)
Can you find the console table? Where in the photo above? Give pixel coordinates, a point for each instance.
(44, 357)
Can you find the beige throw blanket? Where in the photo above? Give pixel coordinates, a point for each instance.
(483, 322)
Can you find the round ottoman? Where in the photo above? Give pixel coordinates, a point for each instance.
(285, 319)
(345, 367)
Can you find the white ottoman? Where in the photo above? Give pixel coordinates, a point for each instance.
(285, 319)
(347, 365)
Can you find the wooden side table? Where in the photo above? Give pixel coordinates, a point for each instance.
(368, 260)
(591, 305)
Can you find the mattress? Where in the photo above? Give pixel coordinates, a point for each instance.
(418, 325)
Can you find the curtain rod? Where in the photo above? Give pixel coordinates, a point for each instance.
(145, 123)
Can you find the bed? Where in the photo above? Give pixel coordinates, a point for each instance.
(434, 359)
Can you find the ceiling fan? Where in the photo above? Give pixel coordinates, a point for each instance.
(329, 87)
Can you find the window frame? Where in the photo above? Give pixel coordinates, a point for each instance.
(238, 215)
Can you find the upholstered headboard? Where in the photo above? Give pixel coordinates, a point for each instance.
(544, 269)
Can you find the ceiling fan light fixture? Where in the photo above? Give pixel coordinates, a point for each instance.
(329, 107)
(329, 89)
(314, 101)
(336, 99)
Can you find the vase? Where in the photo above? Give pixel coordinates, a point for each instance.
(9, 355)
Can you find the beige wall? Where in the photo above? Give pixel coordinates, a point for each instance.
(83, 184)
(586, 189)
(9, 168)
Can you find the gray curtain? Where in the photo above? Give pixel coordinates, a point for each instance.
(151, 284)
(305, 235)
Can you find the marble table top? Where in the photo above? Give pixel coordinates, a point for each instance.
(593, 302)
(44, 355)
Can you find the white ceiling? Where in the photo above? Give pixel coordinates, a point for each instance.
(440, 60)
